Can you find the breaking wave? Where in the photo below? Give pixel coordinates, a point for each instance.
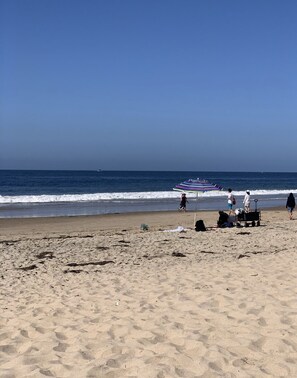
(130, 196)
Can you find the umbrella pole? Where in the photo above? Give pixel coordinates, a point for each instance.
(196, 209)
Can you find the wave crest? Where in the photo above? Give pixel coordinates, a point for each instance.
(49, 198)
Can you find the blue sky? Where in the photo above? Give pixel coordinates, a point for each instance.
(148, 85)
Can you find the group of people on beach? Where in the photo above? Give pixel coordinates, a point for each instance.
(231, 201)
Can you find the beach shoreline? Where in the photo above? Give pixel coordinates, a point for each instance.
(116, 221)
(98, 223)
(95, 296)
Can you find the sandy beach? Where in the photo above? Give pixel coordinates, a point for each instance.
(98, 297)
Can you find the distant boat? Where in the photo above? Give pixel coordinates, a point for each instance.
(99, 170)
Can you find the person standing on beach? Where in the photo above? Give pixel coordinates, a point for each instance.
(231, 201)
(290, 205)
(183, 202)
(247, 201)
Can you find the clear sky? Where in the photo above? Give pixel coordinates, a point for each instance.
(148, 85)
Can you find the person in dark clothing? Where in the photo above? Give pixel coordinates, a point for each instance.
(290, 205)
(223, 220)
(183, 202)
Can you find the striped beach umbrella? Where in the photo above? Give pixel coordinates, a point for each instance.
(197, 186)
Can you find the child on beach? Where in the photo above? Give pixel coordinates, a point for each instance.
(183, 202)
(230, 200)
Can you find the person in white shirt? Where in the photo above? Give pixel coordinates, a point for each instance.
(230, 200)
(247, 201)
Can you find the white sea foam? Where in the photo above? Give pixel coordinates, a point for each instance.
(131, 196)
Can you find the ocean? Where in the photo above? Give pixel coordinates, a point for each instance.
(70, 193)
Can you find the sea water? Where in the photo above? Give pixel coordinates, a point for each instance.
(58, 193)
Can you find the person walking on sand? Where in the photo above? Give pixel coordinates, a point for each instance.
(290, 205)
(231, 201)
(183, 202)
(247, 202)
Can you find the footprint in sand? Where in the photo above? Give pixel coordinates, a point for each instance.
(8, 349)
(61, 347)
(262, 322)
(60, 336)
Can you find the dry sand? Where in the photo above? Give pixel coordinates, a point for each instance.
(98, 297)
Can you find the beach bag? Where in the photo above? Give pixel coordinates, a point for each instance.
(233, 201)
(199, 226)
